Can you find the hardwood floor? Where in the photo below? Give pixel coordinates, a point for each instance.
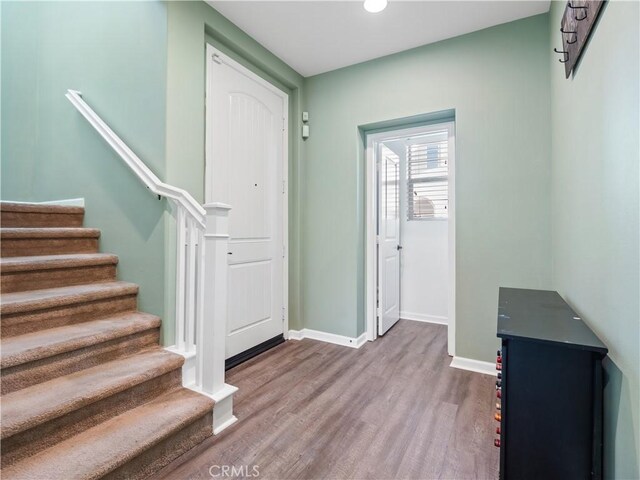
(391, 409)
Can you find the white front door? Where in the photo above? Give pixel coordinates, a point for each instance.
(245, 168)
(388, 239)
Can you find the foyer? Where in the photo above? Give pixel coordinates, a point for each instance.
(342, 240)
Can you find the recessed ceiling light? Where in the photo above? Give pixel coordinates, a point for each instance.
(375, 6)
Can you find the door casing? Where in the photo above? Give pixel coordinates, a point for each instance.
(371, 201)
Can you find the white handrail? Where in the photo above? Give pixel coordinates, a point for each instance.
(201, 277)
(190, 225)
(150, 180)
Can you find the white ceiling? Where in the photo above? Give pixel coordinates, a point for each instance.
(318, 36)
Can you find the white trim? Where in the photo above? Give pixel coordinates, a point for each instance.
(71, 202)
(451, 247)
(296, 334)
(217, 429)
(188, 367)
(361, 340)
(473, 365)
(353, 342)
(146, 176)
(211, 51)
(223, 416)
(370, 241)
(370, 221)
(420, 317)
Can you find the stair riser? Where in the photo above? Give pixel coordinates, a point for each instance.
(39, 219)
(32, 321)
(160, 455)
(38, 279)
(25, 375)
(25, 247)
(36, 439)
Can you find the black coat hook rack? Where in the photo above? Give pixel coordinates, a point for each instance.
(564, 52)
(575, 28)
(574, 32)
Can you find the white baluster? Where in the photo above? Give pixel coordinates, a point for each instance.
(200, 296)
(180, 278)
(191, 272)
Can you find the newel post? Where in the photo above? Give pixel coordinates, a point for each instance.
(213, 332)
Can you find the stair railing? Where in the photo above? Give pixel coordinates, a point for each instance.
(201, 280)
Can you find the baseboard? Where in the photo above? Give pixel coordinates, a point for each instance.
(328, 337)
(420, 317)
(478, 366)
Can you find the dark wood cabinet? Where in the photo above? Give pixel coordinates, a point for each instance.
(549, 388)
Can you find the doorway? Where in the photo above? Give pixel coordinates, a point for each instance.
(410, 269)
(246, 168)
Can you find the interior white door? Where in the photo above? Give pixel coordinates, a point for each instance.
(245, 169)
(389, 239)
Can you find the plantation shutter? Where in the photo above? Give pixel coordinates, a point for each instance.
(428, 177)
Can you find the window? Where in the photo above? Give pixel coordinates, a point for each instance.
(428, 176)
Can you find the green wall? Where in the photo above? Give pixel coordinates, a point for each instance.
(117, 58)
(497, 81)
(596, 264)
(190, 26)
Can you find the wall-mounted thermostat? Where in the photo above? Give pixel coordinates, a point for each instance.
(305, 116)
(305, 131)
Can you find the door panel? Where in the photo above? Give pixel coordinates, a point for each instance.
(389, 244)
(245, 170)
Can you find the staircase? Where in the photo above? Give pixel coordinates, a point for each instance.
(86, 390)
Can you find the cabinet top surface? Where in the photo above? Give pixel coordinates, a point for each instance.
(542, 315)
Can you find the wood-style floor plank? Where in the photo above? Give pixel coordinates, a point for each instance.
(391, 409)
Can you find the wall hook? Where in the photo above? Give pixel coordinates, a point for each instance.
(568, 32)
(566, 55)
(584, 10)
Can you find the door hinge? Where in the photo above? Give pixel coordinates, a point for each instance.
(283, 123)
(284, 251)
(283, 314)
(377, 239)
(284, 187)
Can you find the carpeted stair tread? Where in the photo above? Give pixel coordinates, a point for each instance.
(32, 406)
(47, 343)
(40, 215)
(100, 450)
(37, 241)
(54, 262)
(39, 208)
(54, 232)
(26, 301)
